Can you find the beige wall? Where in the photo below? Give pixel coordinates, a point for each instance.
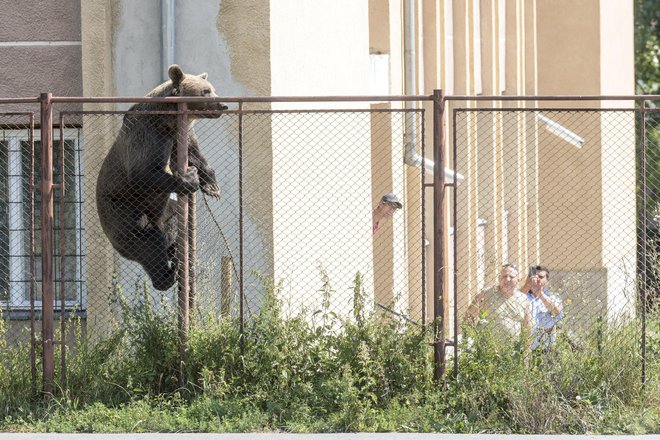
(249, 52)
(618, 141)
(325, 53)
(322, 48)
(98, 26)
(512, 164)
(580, 54)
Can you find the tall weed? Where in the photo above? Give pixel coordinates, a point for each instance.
(321, 372)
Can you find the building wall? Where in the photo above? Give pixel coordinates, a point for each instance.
(577, 55)
(123, 57)
(515, 47)
(257, 47)
(618, 143)
(43, 42)
(326, 52)
(98, 27)
(40, 48)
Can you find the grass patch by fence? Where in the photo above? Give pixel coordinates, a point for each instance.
(307, 376)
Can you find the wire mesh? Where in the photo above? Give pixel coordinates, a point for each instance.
(18, 227)
(298, 193)
(308, 208)
(548, 243)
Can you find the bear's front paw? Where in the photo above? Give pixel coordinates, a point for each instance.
(189, 181)
(211, 189)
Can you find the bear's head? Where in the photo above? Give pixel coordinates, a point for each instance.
(183, 84)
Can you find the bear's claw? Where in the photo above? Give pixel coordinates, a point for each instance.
(211, 189)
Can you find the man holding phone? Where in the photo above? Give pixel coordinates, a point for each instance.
(545, 307)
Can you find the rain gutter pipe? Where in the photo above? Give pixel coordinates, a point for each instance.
(411, 156)
(167, 28)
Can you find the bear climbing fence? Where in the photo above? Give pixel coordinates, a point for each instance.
(512, 181)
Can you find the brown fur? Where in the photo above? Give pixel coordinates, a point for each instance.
(136, 179)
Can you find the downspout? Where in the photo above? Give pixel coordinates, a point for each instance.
(411, 156)
(167, 27)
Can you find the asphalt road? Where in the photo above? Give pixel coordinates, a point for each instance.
(342, 436)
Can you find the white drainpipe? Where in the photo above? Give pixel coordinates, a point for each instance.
(410, 155)
(167, 25)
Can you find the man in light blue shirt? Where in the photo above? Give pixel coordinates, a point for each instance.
(545, 308)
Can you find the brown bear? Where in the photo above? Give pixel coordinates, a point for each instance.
(136, 178)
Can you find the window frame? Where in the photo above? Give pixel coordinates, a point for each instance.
(18, 222)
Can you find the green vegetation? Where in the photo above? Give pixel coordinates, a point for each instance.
(647, 81)
(305, 375)
(647, 46)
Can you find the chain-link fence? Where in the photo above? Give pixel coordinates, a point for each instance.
(19, 234)
(553, 226)
(316, 201)
(298, 190)
(314, 205)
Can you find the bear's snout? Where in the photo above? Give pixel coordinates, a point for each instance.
(215, 106)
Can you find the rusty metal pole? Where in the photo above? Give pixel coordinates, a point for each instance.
(33, 337)
(644, 238)
(62, 248)
(439, 312)
(454, 244)
(182, 240)
(47, 287)
(192, 253)
(241, 280)
(226, 286)
(424, 241)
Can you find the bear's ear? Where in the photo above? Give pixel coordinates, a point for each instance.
(176, 75)
(204, 75)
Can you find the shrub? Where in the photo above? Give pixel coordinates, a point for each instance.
(320, 372)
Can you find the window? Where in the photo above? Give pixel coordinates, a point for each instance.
(15, 210)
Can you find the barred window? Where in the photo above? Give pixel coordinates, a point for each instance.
(16, 212)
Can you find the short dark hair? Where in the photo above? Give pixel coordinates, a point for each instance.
(542, 268)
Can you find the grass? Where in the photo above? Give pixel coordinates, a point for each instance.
(300, 376)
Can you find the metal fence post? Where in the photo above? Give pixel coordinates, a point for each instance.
(241, 244)
(439, 299)
(47, 287)
(192, 253)
(62, 248)
(182, 240)
(644, 237)
(32, 264)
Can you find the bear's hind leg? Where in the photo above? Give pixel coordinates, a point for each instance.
(150, 249)
(157, 262)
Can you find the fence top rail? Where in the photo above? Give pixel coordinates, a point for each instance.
(239, 99)
(19, 100)
(545, 109)
(554, 98)
(357, 98)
